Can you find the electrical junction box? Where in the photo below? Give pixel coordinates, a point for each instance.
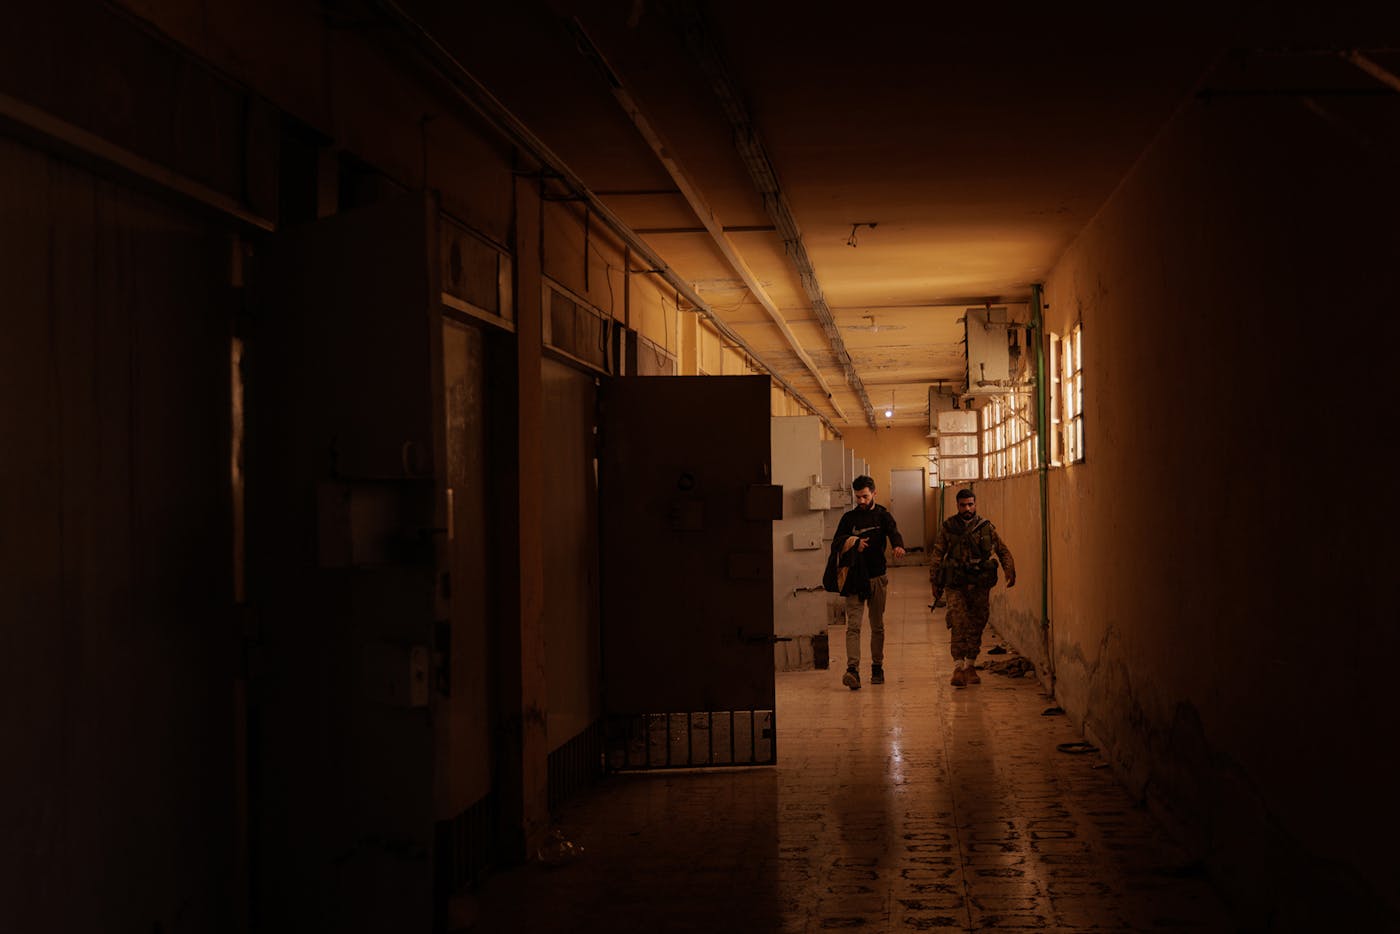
(806, 541)
(818, 497)
(840, 499)
(988, 361)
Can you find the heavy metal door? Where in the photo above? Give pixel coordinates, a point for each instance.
(686, 571)
(343, 517)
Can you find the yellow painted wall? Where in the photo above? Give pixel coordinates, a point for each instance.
(887, 448)
(1206, 615)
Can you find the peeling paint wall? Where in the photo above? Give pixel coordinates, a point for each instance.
(1213, 617)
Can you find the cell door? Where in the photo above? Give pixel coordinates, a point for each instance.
(686, 519)
(344, 522)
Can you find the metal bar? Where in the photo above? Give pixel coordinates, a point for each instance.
(65, 139)
(578, 762)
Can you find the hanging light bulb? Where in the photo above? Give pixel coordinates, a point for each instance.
(889, 413)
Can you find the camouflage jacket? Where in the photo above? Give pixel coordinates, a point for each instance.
(965, 554)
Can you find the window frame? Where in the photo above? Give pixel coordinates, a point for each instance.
(1009, 442)
(1071, 393)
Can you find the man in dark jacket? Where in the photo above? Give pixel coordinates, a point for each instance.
(964, 568)
(861, 536)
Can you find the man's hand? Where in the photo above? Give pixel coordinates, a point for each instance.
(860, 545)
(1010, 581)
(898, 552)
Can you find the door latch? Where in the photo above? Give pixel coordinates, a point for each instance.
(771, 639)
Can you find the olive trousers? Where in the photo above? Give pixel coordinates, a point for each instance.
(854, 611)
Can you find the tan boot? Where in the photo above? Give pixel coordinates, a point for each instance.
(959, 679)
(970, 675)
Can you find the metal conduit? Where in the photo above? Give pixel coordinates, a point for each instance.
(1042, 405)
(765, 179)
(479, 98)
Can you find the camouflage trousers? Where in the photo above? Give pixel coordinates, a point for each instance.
(968, 609)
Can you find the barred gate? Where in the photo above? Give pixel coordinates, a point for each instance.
(695, 739)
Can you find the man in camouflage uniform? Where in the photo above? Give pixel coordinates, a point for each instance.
(963, 571)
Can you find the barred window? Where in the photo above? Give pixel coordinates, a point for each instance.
(1057, 351)
(993, 417)
(1072, 391)
(1008, 434)
(1023, 444)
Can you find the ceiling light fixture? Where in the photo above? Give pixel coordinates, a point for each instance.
(851, 240)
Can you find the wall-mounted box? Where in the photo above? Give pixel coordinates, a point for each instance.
(840, 499)
(806, 541)
(988, 363)
(818, 497)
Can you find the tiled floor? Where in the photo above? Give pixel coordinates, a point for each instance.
(908, 806)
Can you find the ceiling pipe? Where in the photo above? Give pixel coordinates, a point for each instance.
(476, 96)
(765, 179)
(696, 199)
(1374, 69)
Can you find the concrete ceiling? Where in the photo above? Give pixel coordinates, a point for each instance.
(934, 157)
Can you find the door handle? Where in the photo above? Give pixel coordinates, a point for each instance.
(771, 639)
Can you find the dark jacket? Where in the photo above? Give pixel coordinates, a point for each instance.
(875, 524)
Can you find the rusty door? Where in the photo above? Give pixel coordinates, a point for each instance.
(687, 570)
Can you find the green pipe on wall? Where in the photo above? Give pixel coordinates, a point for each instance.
(1042, 402)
